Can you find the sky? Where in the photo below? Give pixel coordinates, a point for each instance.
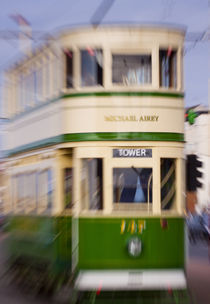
(49, 15)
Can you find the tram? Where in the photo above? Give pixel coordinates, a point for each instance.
(95, 158)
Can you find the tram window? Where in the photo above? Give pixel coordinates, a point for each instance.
(68, 187)
(69, 68)
(131, 69)
(92, 183)
(30, 192)
(168, 68)
(91, 67)
(40, 84)
(14, 190)
(20, 192)
(132, 185)
(168, 186)
(45, 189)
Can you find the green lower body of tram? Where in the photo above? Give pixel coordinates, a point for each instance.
(45, 243)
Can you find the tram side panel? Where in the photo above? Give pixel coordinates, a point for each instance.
(41, 241)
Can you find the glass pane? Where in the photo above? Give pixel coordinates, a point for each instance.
(49, 189)
(168, 187)
(132, 185)
(68, 187)
(91, 67)
(40, 84)
(14, 189)
(168, 68)
(20, 192)
(45, 189)
(131, 69)
(92, 184)
(30, 193)
(69, 68)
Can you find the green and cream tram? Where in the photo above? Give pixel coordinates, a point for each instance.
(95, 157)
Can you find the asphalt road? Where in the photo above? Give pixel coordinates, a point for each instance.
(197, 270)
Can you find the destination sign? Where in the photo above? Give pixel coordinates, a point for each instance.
(132, 152)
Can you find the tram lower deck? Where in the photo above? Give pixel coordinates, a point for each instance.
(121, 226)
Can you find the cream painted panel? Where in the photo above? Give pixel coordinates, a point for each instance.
(129, 162)
(106, 119)
(170, 152)
(36, 126)
(42, 165)
(114, 35)
(94, 114)
(120, 101)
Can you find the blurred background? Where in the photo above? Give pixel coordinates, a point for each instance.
(42, 19)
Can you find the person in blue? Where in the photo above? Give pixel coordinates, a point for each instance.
(135, 188)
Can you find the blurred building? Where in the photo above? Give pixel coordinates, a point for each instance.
(198, 142)
(3, 176)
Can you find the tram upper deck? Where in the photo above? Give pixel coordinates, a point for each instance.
(105, 83)
(107, 102)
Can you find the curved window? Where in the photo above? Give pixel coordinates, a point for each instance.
(69, 68)
(131, 69)
(168, 68)
(92, 183)
(91, 67)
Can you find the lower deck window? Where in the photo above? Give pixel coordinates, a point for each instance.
(45, 189)
(68, 187)
(92, 184)
(168, 186)
(132, 185)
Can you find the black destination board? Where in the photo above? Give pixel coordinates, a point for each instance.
(132, 152)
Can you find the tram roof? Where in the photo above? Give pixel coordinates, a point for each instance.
(63, 30)
(122, 24)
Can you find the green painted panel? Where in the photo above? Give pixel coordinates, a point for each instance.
(123, 93)
(41, 238)
(64, 242)
(32, 236)
(102, 245)
(127, 136)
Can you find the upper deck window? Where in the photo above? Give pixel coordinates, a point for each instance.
(168, 68)
(131, 69)
(91, 67)
(69, 68)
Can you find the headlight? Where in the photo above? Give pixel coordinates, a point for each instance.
(134, 246)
